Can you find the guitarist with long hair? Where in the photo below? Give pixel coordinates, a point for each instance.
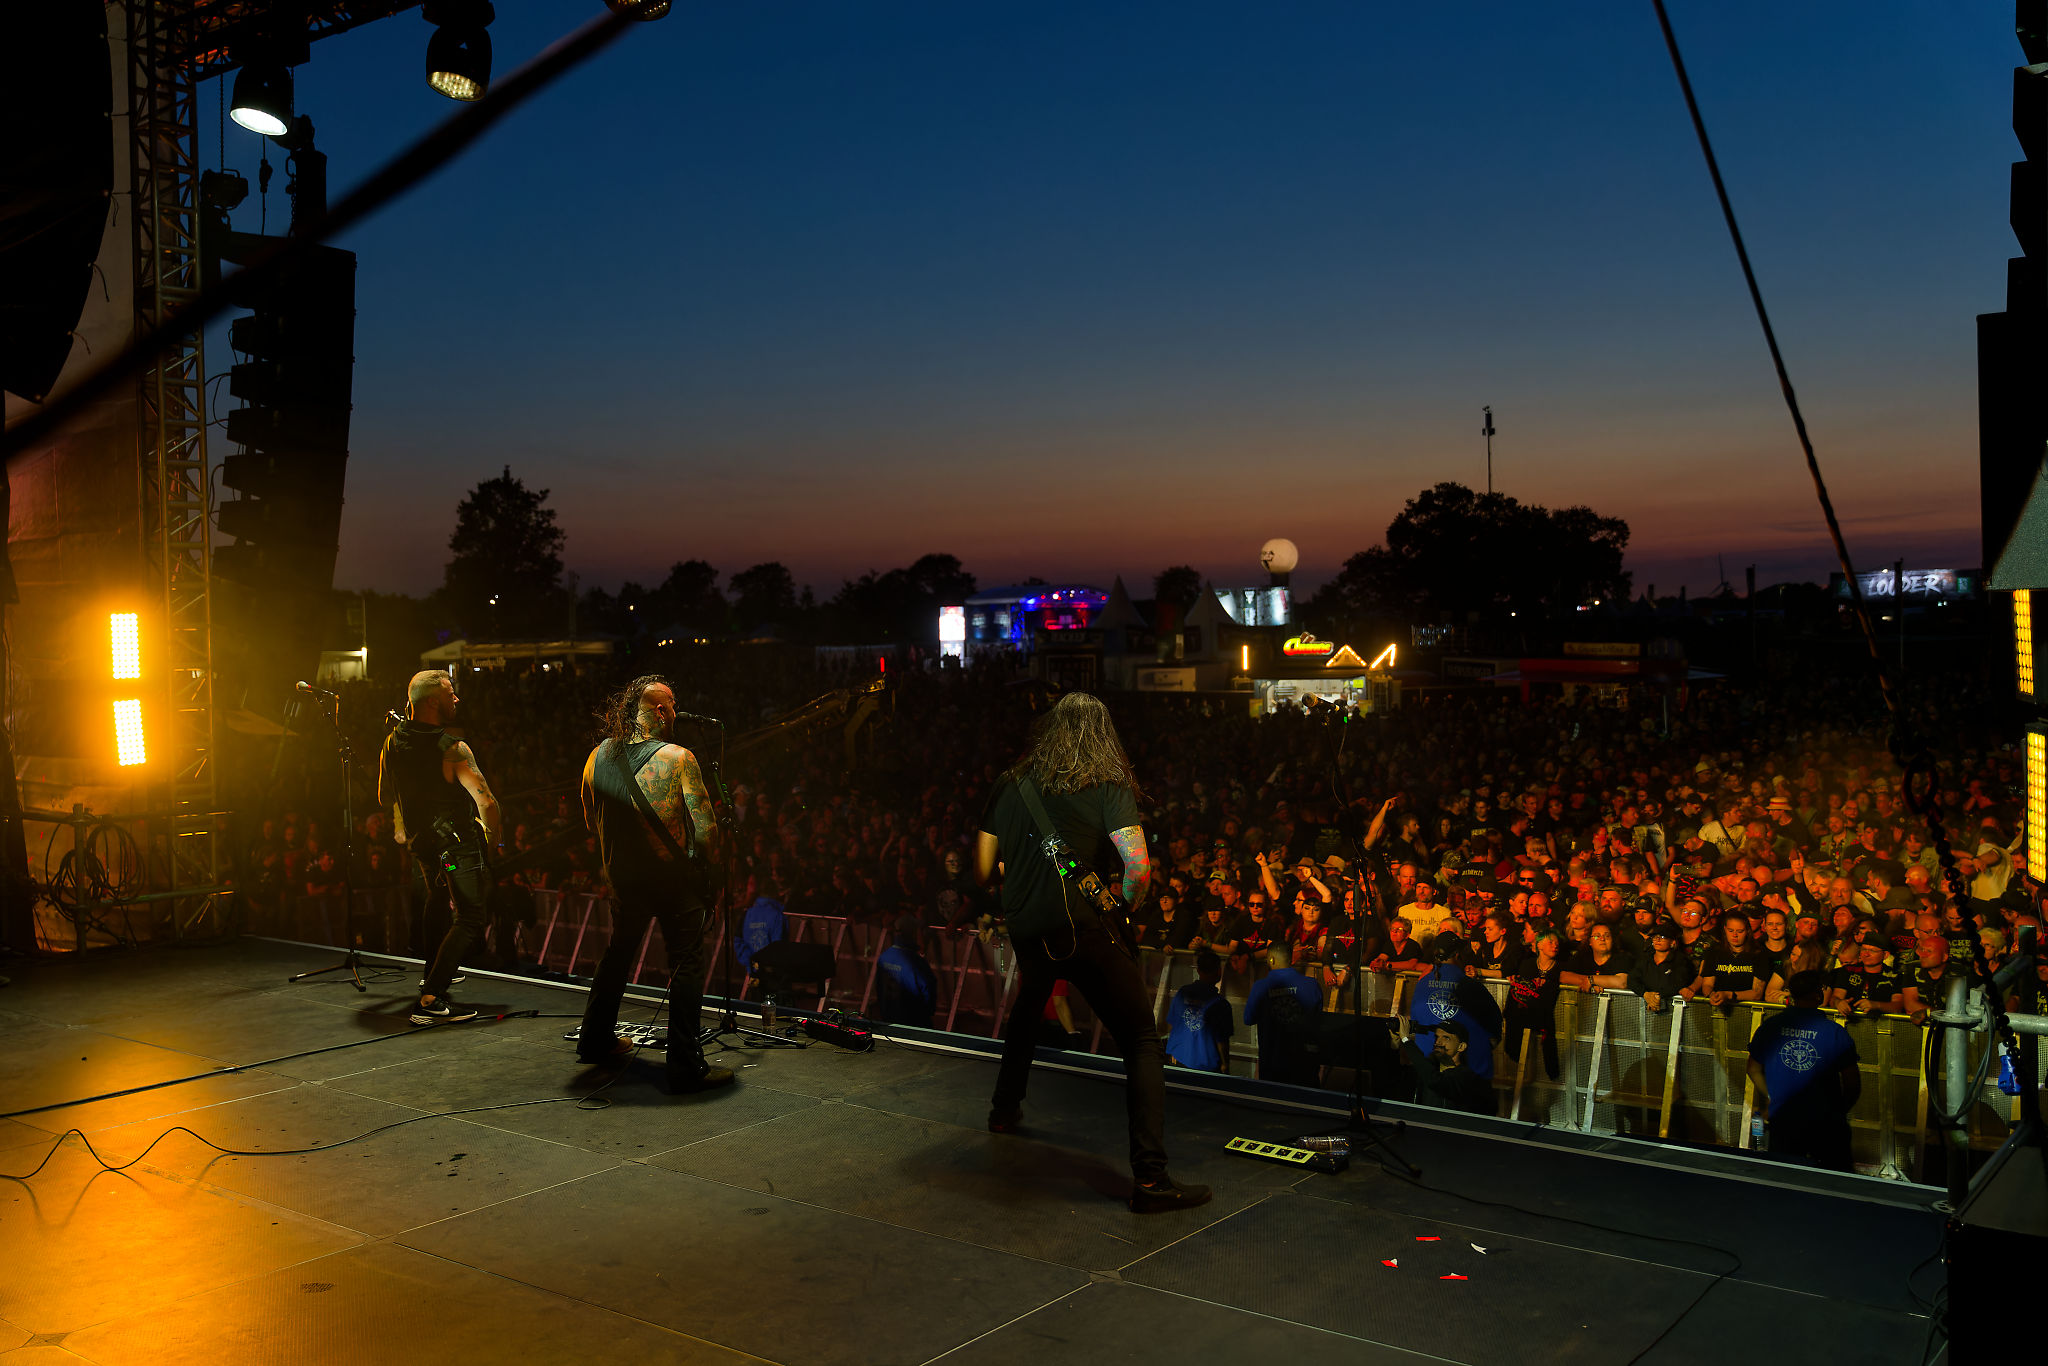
(1060, 820)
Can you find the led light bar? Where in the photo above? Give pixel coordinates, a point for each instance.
(124, 637)
(128, 745)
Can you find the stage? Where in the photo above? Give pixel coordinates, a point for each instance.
(832, 1209)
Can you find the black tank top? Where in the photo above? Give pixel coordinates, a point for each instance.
(624, 840)
(436, 810)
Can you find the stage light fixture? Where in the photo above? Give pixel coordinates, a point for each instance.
(128, 746)
(643, 10)
(459, 53)
(262, 101)
(124, 637)
(2037, 804)
(2023, 639)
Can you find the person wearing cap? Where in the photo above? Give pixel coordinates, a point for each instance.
(1444, 1075)
(1448, 991)
(1865, 987)
(1666, 972)
(1425, 909)
(1806, 1075)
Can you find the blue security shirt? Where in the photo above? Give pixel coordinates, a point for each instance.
(1436, 1001)
(911, 976)
(1200, 1027)
(1306, 989)
(1799, 1047)
(761, 926)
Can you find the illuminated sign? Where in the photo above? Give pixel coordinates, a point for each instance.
(1884, 585)
(952, 632)
(1383, 660)
(1307, 646)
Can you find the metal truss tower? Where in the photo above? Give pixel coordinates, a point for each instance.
(177, 533)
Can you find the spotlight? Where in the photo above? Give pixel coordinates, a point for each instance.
(643, 10)
(263, 97)
(459, 53)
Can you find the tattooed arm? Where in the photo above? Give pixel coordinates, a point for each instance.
(1130, 842)
(588, 790)
(675, 789)
(387, 792)
(463, 761)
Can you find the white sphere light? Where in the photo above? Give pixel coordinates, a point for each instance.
(1279, 556)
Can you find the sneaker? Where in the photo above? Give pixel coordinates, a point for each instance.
(441, 1010)
(1006, 1121)
(457, 980)
(1157, 1197)
(710, 1079)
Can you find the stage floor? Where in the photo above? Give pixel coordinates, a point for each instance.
(832, 1209)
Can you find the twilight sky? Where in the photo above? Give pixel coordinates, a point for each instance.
(1080, 289)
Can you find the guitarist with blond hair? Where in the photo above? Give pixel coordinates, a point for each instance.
(1062, 829)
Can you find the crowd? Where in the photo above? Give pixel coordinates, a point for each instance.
(1713, 852)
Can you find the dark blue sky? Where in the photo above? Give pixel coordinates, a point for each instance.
(1087, 289)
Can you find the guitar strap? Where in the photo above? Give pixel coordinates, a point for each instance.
(616, 754)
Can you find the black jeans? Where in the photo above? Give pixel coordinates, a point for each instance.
(462, 871)
(682, 934)
(1115, 990)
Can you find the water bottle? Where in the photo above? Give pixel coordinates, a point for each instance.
(1757, 1130)
(768, 1011)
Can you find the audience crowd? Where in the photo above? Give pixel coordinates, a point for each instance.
(1705, 851)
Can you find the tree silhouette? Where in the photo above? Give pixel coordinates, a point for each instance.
(504, 577)
(1456, 555)
(763, 594)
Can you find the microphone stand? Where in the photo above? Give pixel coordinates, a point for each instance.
(1375, 1135)
(352, 962)
(728, 838)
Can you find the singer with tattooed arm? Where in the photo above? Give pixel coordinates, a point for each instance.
(645, 800)
(1076, 778)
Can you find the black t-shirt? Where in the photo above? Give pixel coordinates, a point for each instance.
(1667, 978)
(1510, 959)
(1864, 984)
(1035, 900)
(1532, 998)
(1737, 971)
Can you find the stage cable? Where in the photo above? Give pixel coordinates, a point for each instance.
(581, 1102)
(413, 1032)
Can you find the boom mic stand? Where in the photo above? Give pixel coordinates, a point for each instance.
(1374, 1135)
(728, 838)
(351, 962)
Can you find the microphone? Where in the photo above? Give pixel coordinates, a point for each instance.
(312, 691)
(682, 716)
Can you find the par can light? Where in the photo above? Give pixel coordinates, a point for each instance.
(262, 100)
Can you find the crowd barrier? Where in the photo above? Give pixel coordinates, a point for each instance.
(1676, 1075)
